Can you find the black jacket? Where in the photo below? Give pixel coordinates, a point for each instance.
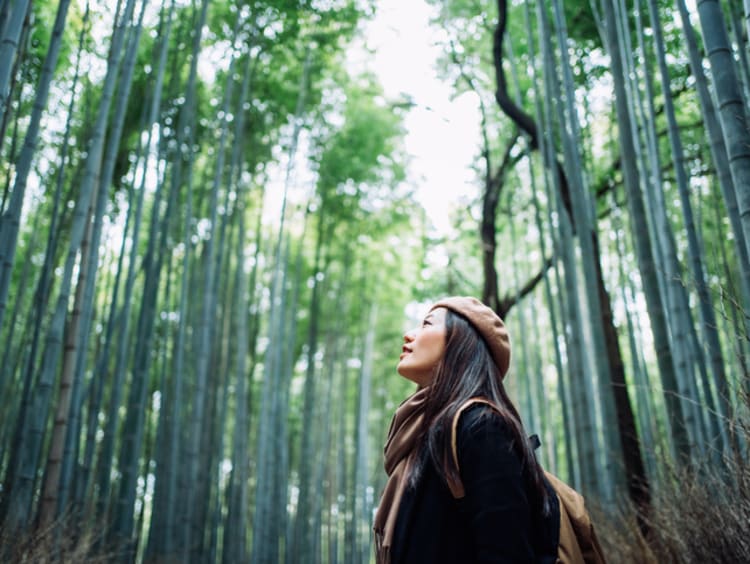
(494, 522)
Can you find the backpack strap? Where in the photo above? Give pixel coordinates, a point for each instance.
(577, 541)
(456, 487)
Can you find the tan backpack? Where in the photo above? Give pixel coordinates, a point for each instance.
(577, 541)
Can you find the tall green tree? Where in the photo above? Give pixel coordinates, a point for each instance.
(731, 105)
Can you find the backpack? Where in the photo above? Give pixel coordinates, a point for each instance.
(577, 542)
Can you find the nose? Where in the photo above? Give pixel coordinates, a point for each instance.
(409, 336)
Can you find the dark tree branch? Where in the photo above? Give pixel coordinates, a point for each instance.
(631, 455)
(488, 227)
(493, 184)
(504, 100)
(604, 186)
(508, 302)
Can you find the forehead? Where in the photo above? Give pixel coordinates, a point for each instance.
(437, 314)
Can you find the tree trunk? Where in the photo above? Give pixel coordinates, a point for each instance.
(720, 158)
(235, 525)
(731, 106)
(162, 534)
(709, 326)
(672, 393)
(8, 47)
(43, 288)
(740, 52)
(133, 428)
(19, 508)
(208, 312)
(361, 514)
(561, 378)
(74, 359)
(9, 223)
(586, 474)
(265, 522)
(300, 549)
(526, 372)
(626, 426)
(235, 543)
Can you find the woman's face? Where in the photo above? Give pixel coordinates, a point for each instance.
(423, 348)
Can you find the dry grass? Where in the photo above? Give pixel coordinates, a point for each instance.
(700, 516)
(53, 545)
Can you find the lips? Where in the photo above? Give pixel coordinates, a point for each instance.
(404, 351)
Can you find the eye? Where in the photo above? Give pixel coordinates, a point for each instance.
(425, 322)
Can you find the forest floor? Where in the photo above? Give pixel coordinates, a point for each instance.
(698, 516)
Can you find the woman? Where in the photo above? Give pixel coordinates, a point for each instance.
(461, 351)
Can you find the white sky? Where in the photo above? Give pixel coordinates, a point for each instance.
(442, 135)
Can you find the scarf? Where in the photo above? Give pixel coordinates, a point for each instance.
(399, 452)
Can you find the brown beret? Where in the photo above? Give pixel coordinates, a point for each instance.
(487, 323)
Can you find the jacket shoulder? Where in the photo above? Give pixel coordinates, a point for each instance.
(480, 418)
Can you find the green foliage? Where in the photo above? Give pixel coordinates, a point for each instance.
(362, 150)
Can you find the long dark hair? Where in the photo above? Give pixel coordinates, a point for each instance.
(467, 371)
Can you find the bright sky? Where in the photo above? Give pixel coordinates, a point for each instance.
(442, 133)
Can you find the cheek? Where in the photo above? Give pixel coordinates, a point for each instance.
(437, 348)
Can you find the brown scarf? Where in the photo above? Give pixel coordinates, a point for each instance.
(399, 449)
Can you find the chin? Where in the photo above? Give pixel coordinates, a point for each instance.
(412, 377)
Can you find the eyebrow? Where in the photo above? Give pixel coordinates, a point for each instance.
(428, 316)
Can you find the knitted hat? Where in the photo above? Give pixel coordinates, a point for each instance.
(487, 323)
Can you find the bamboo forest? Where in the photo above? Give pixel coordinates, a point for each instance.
(214, 235)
